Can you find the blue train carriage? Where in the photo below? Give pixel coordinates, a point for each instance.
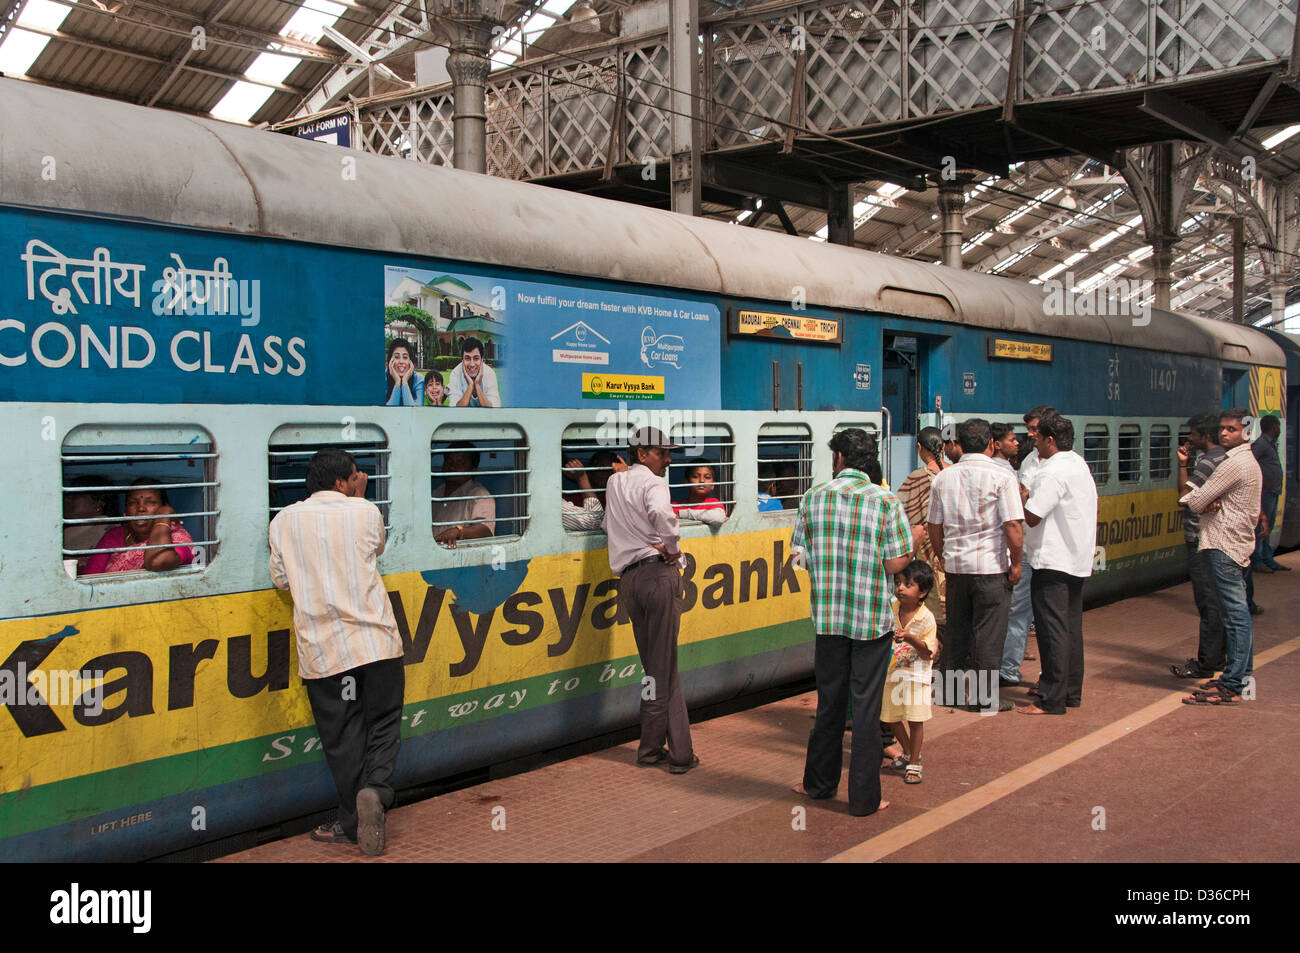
(208, 322)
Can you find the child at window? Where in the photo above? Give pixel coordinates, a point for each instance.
(700, 504)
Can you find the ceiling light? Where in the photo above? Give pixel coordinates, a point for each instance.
(583, 18)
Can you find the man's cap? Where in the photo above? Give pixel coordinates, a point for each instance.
(649, 437)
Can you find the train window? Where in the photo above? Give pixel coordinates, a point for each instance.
(1130, 453)
(707, 457)
(784, 466)
(116, 479)
(479, 483)
(1096, 451)
(1161, 452)
(588, 455)
(292, 446)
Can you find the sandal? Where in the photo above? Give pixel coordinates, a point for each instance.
(1190, 669)
(1217, 698)
(913, 775)
(331, 834)
(897, 764)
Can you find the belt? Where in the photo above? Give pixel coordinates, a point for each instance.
(642, 562)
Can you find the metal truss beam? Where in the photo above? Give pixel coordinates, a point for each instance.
(151, 58)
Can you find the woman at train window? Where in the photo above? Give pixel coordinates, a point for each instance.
(435, 392)
(405, 384)
(148, 526)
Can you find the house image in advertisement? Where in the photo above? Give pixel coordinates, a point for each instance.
(452, 317)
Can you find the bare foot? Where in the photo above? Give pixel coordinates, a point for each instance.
(883, 804)
(1031, 710)
(798, 789)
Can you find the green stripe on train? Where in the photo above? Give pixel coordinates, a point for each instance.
(59, 802)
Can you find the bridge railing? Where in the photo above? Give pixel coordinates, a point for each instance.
(830, 66)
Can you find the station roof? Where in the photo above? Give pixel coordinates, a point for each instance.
(257, 62)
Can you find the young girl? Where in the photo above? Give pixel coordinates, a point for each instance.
(700, 504)
(906, 704)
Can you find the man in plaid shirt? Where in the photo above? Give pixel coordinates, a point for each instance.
(856, 538)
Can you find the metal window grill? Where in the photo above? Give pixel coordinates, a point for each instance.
(502, 470)
(1130, 453)
(582, 442)
(292, 446)
(785, 463)
(1096, 452)
(1161, 452)
(100, 464)
(703, 445)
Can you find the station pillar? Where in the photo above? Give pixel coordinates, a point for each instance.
(1162, 259)
(952, 202)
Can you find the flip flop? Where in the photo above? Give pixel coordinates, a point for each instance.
(1218, 698)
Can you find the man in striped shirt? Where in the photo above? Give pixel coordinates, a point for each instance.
(856, 538)
(1228, 503)
(974, 526)
(324, 551)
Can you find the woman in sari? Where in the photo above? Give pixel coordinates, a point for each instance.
(167, 540)
(914, 494)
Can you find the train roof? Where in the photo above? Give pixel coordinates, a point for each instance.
(120, 160)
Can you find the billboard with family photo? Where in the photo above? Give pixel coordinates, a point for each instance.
(482, 340)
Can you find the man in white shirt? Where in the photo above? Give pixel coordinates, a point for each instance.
(974, 527)
(1021, 615)
(324, 551)
(643, 536)
(472, 382)
(1061, 516)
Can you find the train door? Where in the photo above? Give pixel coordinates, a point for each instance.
(902, 401)
(1236, 388)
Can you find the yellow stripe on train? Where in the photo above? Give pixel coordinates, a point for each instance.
(196, 673)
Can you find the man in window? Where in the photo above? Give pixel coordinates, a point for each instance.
(583, 509)
(324, 550)
(472, 382)
(467, 510)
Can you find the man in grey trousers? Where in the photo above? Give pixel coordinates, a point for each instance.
(643, 537)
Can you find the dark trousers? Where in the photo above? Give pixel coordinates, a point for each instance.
(1211, 645)
(1058, 612)
(359, 717)
(652, 595)
(978, 609)
(842, 666)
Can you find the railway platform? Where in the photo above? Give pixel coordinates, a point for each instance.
(1133, 775)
